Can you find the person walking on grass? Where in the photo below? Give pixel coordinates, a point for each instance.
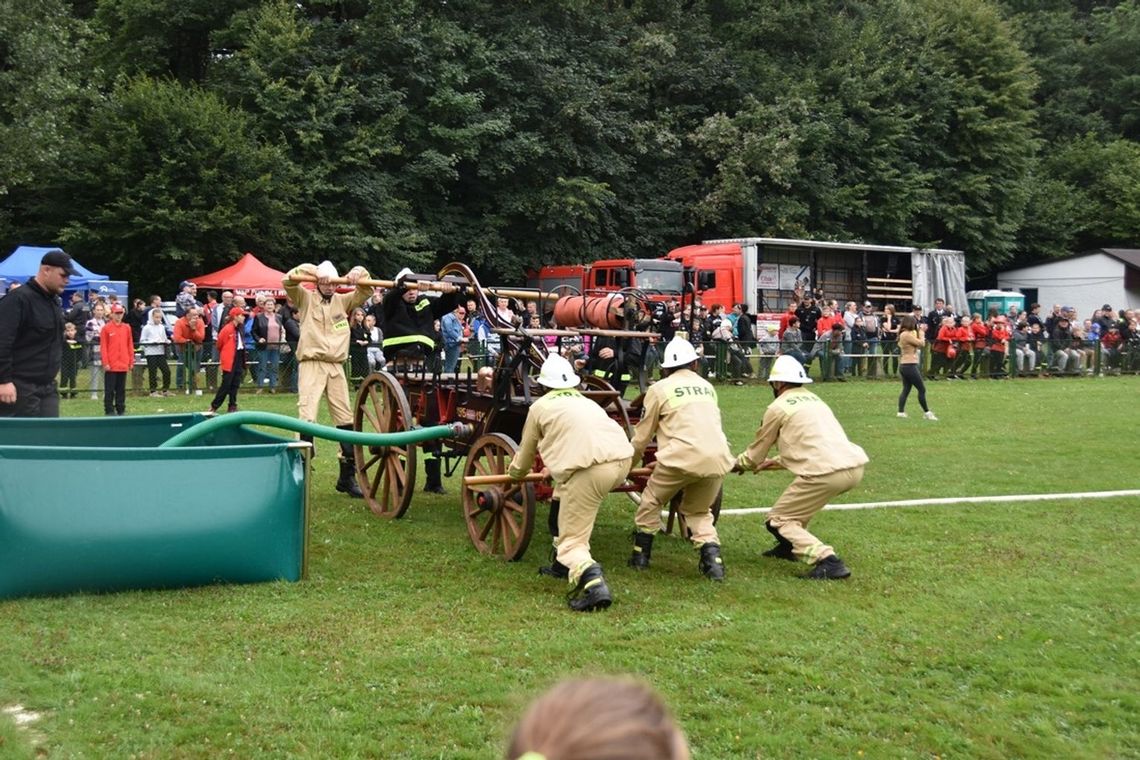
(587, 455)
(231, 355)
(910, 343)
(813, 446)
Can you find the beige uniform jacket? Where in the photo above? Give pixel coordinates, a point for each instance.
(811, 440)
(571, 432)
(682, 411)
(325, 330)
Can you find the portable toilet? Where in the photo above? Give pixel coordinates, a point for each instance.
(981, 301)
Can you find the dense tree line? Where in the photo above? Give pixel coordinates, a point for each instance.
(159, 138)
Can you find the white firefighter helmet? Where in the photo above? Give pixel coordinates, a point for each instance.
(786, 369)
(557, 373)
(405, 272)
(326, 269)
(679, 353)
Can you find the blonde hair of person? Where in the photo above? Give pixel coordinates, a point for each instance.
(598, 719)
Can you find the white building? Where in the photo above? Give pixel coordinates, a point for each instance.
(1086, 281)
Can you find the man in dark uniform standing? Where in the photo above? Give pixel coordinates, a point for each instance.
(409, 341)
(31, 341)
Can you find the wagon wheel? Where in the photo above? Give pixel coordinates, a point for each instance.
(610, 400)
(675, 504)
(387, 474)
(500, 518)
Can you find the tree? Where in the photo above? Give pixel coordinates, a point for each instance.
(173, 182)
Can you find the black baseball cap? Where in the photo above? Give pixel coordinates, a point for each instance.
(58, 258)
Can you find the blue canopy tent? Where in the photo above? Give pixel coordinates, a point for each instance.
(24, 262)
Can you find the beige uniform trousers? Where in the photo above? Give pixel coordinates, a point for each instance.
(696, 503)
(316, 379)
(581, 495)
(801, 501)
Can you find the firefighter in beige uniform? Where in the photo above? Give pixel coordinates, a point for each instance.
(692, 454)
(812, 445)
(587, 455)
(322, 350)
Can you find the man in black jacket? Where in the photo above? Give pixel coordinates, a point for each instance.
(31, 341)
(409, 341)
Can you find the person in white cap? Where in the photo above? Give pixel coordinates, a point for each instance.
(587, 456)
(813, 445)
(692, 454)
(322, 350)
(410, 343)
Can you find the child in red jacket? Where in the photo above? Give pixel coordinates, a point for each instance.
(963, 344)
(117, 347)
(231, 355)
(998, 341)
(981, 332)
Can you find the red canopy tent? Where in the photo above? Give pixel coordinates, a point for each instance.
(245, 278)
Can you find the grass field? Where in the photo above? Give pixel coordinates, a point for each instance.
(991, 630)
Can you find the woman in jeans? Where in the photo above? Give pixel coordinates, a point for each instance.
(910, 342)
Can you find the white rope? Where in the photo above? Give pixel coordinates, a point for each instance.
(954, 500)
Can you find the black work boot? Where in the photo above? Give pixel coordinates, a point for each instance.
(555, 569)
(783, 547)
(591, 593)
(434, 483)
(711, 565)
(552, 519)
(642, 549)
(828, 569)
(347, 481)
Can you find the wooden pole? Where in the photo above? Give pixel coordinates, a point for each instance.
(530, 477)
(439, 286)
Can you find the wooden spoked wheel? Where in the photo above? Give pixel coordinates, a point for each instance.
(387, 474)
(500, 518)
(674, 506)
(609, 399)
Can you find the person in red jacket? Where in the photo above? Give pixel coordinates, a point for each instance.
(940, 359)
(189, 332)
(963, 344)
(981, 332)
(998, 341)
(117, 347)
(231, 355)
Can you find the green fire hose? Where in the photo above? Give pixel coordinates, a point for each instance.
(418, 435)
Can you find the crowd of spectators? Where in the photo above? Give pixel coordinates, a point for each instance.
(835, 342)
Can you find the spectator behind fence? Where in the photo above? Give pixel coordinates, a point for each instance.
(376, 359)
(1110, 344)
(998, 346)
(624, 720)
(791, 342)
(91, 338)
(1065, 359)
(268, 333)
(154, 340)
(889, 330)
(1025, 358)
(70, 360)
(189, 332)
(31, 341)
(186, 299)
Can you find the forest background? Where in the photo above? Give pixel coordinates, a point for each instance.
(157, 139)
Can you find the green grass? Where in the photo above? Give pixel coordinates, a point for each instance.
(982, 631)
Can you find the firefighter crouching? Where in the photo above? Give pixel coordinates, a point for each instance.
(692, 454)
(587, 456)
(813, 445)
